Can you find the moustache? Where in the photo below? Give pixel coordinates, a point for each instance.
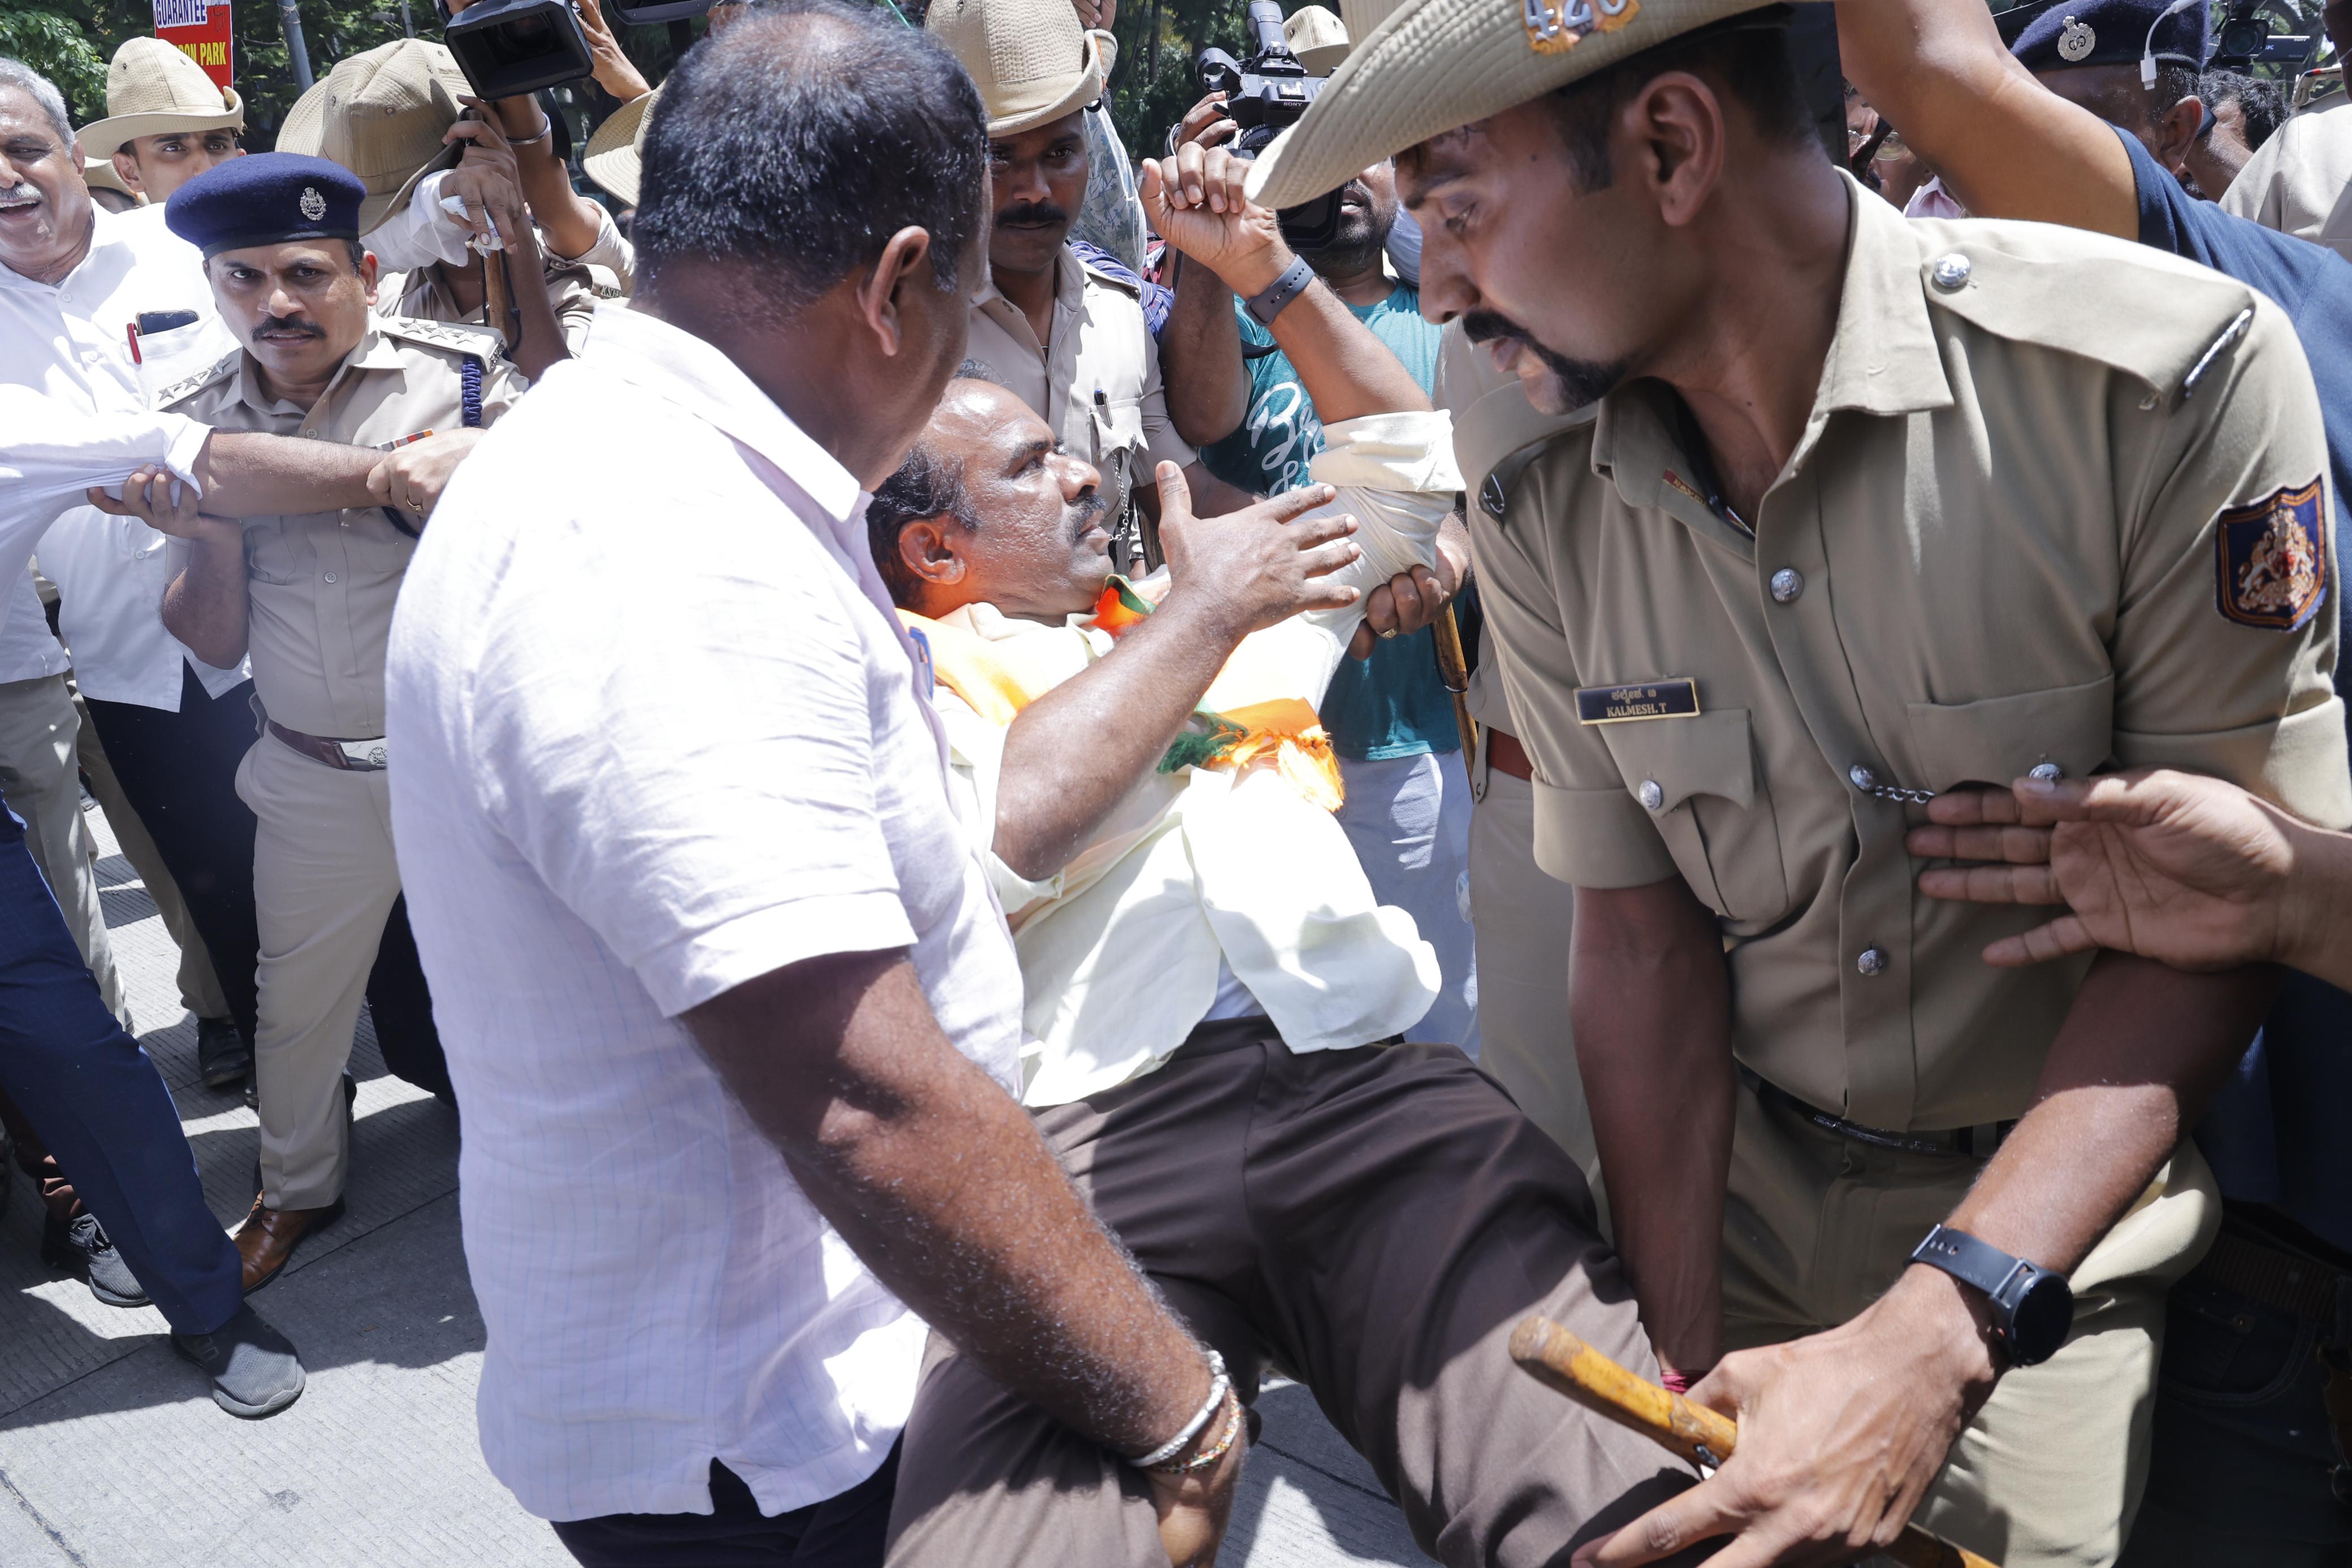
(1031, 214)
(1086, 513)
(1486, 326)
(21, 191)
(297, 325)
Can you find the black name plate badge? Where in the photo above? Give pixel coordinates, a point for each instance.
(1643, 699)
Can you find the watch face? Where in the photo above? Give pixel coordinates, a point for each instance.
(2044, 1315)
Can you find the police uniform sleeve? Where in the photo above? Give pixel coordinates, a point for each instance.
(1160, 437)
(1588, 829)
(2224, 641)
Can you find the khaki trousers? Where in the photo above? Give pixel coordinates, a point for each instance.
(200, 990)
(39, 775)
(323, 883)
(1371, 1222)
(1523, 918)
(2052, 1469)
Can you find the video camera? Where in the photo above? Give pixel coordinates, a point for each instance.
(1264, 95)
(511, 47)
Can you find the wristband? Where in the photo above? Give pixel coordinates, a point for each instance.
(1219, 1385)
(546, 125)
(1265, 305)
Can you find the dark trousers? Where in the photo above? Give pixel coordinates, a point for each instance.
(1373, 1222)
(402, 1006)
(841, 1532)
(2246, 1468)
(179, 772)
(97, 1101)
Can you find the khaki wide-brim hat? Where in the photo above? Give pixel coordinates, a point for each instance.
(153, 88)
(1031, 60)
(614, 156)
(1318, 38)
(382, 115)
(1435, 64)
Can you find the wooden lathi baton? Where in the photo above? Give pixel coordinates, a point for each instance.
(1454, 669)
(1557, 1357)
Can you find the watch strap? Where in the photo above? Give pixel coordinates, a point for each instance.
(1268, 302)
(1975, 1262)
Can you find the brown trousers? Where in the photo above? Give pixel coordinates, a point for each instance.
(1370, 1222)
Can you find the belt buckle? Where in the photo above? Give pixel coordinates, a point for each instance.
(362, 754)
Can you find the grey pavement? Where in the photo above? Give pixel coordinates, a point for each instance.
(113, 1456)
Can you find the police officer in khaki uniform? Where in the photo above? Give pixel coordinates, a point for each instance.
(1066, 334)
(312, 599)
(1870, 510)
(166, 121)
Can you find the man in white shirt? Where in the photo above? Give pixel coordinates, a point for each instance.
(74, 424)
(728, 1001)
(1214, 994)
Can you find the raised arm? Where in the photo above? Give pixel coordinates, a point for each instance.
(1195, 199)
(2005, 145)
(1201, 347)
(1075, 753)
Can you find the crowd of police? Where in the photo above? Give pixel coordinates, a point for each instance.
(1842, 559)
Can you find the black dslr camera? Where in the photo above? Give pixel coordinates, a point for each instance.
(511, 47)
(1264, 94)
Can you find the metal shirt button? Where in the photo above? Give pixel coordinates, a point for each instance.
(2048, 772)
(1871, 961)
(1951, 271)
(1862, 777)
(330, 576)
(1650, 795)
(1787, 583)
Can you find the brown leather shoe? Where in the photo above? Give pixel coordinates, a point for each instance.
(266, 1239)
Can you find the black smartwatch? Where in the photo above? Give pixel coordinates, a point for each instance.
(2032, 1307)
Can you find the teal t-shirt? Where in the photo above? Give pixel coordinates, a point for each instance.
(1392, 704)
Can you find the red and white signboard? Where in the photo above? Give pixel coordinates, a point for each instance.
(199, 28)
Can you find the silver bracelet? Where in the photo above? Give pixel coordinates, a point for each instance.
(546, 125)
(1218, 1386)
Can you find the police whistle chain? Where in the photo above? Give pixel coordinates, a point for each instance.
(1555, 1357)
(1453, 670)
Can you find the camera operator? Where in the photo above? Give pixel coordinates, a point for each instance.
(1065, 336)
(1389, 717)
(395, 115)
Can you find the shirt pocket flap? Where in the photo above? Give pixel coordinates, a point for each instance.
(1119, 422)
(2003, 739)
(1705, 754)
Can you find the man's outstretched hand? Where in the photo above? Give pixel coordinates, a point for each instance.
(1257, 566)
(2190, 871)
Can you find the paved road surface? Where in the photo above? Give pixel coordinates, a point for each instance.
(113, 1456)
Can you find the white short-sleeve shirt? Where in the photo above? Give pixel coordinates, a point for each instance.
(655, 735)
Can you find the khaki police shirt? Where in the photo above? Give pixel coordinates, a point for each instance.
(2296, 181)
(1096, 378)
(2015, 536)
(322, 585)
(572, 288)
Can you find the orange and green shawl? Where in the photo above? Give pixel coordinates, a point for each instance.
(999, 678)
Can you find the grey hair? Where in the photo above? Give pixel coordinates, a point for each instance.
(41, 90)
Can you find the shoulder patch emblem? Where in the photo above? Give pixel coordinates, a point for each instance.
(2270, 558)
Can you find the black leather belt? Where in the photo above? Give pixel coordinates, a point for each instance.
(1968, 1143)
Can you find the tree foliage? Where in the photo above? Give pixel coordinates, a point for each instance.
(1156, 80)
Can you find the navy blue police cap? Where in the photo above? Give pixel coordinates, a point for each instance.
(2118, 33)
(265, 198)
